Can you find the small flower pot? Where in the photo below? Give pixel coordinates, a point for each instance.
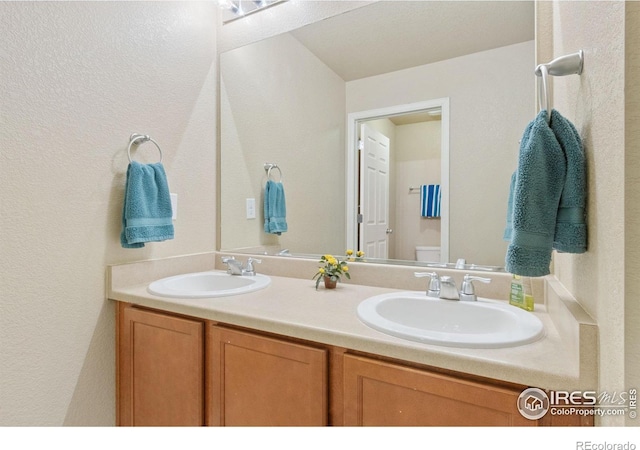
(329, 283)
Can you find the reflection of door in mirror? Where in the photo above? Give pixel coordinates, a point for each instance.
(374, 193)
(414, 160)
(418, 156)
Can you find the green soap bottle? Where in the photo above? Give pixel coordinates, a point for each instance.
(521, 294)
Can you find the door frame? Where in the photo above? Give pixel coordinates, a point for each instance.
(353, 120)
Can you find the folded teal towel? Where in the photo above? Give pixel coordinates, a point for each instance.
(571, 227)
(275, 210)
(508, 231)
(146, 215)
(539, 181)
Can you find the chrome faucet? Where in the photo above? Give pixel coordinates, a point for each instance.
(448, 289)
(234, 267)
(445, 287)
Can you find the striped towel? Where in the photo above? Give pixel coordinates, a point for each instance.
(430, 200)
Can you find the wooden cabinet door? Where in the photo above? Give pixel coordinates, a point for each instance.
(383, 394)
(160, 369)
(261, 381)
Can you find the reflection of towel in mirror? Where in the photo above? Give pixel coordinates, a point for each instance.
(430, 200)
(571, 227)
(146, 215)
(275, 211)
(540, 178)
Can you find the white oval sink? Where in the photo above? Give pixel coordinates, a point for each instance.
(207, 284)
(482, 324)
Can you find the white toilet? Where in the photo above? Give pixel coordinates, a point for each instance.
(428, 254)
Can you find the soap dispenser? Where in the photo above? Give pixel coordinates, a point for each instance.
(521, 294)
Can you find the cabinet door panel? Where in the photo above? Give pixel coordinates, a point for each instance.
(261, 381)
(161, 370)
(383, 394)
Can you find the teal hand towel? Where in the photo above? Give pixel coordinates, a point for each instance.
(508, 231)
(539, 181)
(146, 214)
(275, 210)
(571, 227)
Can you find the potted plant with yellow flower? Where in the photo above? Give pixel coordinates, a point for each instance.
(331, 269)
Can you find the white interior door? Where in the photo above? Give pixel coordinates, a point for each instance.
(374, 193)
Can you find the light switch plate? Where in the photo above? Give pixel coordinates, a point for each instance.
(251, 208)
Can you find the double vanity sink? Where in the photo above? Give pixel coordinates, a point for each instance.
(349, 349)
(409, 315)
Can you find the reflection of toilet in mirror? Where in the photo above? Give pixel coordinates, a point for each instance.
(428, 254)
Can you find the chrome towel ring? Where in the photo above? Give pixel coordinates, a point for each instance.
(268, 167)
(136, 138)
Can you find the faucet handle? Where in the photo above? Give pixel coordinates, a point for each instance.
(249, 269)
(467, 292)
(434, 283)
(424, 274)
(250, 262)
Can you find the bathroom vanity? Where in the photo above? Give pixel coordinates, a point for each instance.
(293, 355)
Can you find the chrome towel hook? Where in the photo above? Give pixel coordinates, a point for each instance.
(137, 139)
(564, 65)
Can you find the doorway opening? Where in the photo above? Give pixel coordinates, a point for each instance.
(384, 216)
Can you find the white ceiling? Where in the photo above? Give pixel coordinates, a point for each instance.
(392, 35)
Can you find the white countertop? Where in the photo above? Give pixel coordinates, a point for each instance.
(293, 307)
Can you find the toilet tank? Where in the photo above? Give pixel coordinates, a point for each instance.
(428, 254)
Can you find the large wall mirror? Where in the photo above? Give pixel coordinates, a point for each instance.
(449, 86)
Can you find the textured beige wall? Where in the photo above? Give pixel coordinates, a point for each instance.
(603, 278)
(491, 102)
(77, 79)
(288, 109)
